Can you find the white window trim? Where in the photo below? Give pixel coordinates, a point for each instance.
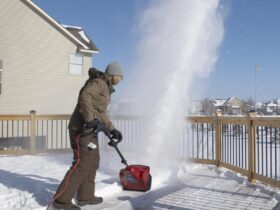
(76, 63)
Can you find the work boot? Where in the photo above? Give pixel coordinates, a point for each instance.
(63, 206)
(92, 201)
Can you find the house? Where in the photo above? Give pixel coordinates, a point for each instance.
(228, 106)
(234, 105)
(43, 64)
(271, 107)
(220, 104)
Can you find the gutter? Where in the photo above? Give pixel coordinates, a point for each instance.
(88, 51)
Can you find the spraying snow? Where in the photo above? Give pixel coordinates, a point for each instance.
(178, 40)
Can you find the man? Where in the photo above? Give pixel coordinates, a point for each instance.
(89, 113)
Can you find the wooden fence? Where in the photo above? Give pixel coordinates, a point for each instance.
(31, 134)
(247, 145)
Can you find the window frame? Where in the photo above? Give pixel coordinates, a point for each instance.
(76, 60)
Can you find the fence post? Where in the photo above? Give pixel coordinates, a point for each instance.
(32, 131)
(218, 139)
(251, 148)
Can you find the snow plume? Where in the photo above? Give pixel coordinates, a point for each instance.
(178, 39)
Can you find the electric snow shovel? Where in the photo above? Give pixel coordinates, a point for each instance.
(132, 177)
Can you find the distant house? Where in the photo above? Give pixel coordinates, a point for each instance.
(271, 107)
(228, 106)
(43, 64)
(234, 104)
(220, 104)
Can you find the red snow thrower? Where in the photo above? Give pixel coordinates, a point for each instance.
(132, 177)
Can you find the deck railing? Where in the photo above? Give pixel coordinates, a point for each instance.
(25, 134)
(247, 145)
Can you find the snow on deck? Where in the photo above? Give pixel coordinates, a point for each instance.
(28, 182)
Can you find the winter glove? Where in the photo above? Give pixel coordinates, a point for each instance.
(116, 134)
(94, 124)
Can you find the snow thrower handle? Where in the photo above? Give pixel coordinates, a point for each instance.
(102, 128)
(112, 142)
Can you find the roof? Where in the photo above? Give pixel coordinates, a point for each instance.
(272, 104)
(219, 102)
(74, 36)
(232, 98)
(81, 35)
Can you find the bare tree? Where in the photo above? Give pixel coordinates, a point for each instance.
(208, 106)
(247, 105)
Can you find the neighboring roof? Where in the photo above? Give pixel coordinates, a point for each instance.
(219, 102)
(225, 102)
(80, 34)
(83, 45)
(232, 98)
(272, 104)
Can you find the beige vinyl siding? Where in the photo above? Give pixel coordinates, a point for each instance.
(36, 57)
(1, 75)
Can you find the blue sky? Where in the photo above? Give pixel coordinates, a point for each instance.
(252, 36)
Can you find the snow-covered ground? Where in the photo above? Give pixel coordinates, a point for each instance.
(28, 182)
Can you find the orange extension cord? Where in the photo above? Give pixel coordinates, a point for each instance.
(77, 139)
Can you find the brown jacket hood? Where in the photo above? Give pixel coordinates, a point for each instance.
(94, 73)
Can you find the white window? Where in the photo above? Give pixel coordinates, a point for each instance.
(1, 75)
(76, 64)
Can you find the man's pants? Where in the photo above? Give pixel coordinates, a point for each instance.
(82, 174)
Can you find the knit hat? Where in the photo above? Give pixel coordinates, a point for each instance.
(114, 69)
